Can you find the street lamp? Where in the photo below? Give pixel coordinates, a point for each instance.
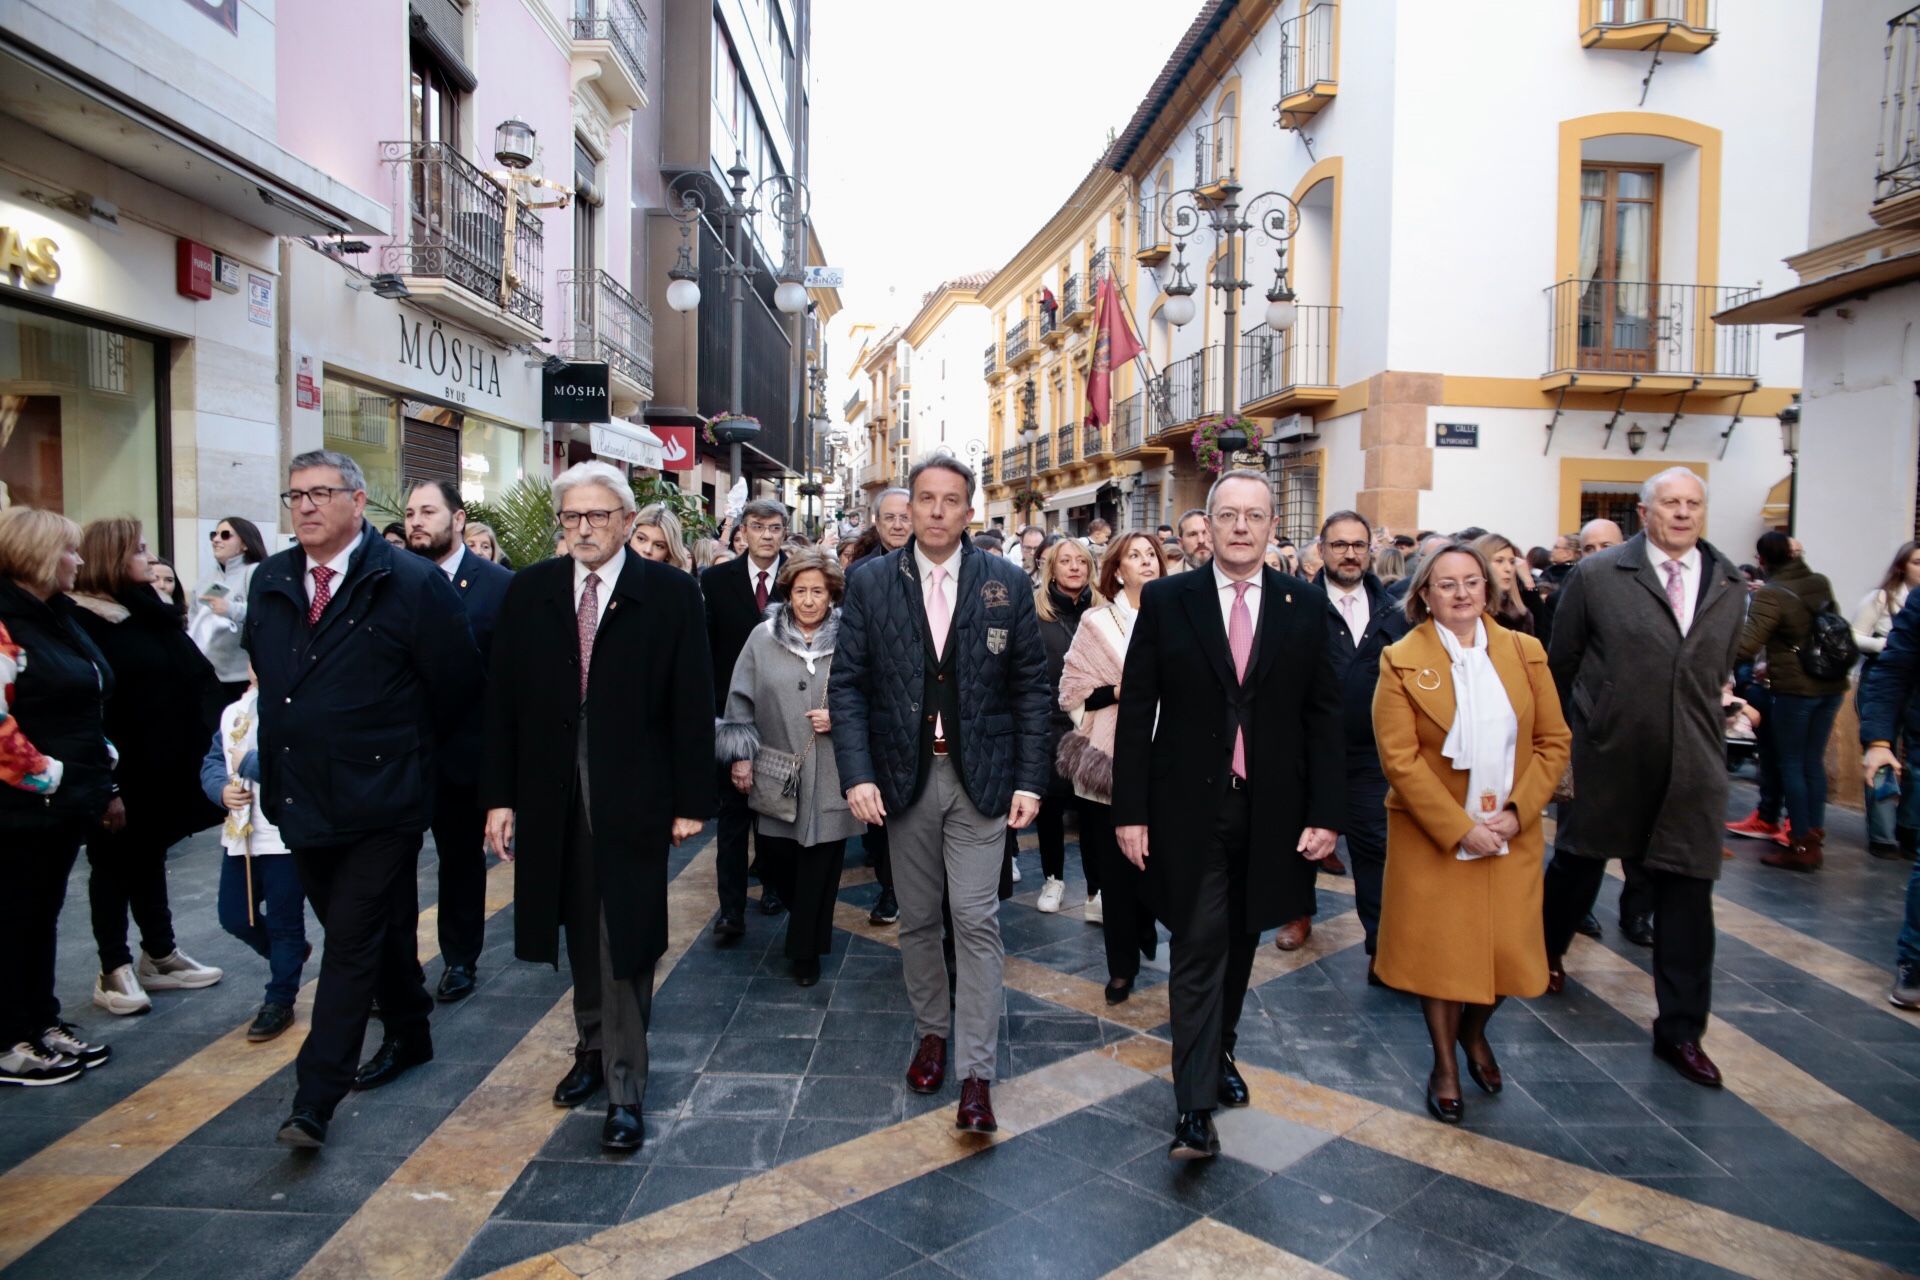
(1273, 216)
(1636, 439)
(513, 147)
(788, 202)
(1790, 445)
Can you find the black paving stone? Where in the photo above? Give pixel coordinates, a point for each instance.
(667, 1185)
(260, 1246)
(578, 1138)
(893, 1028)
(1085, 1232)
(302, 1182)
(1481, 1217)
(1199, 1185)
(722, 1142)
(805, 1137)
(1021, 1172)
(932, 1213)
(1651, 1150)
(867, 1059)
(112, 1243)
(1303, 1220)
(571, 1191)
(872, 1101)
(727, 1268)
(760, 1055)
(834, 1246)
(1574, 1250)
(768, 1097)
(1103, 1141)
(501, 1243)
(1361, 1174)
(1394, 1250)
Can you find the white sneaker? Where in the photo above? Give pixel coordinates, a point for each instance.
(62, 1040)
(1096, 914)
(1016, 869)
(119, 993)
(176, 972)
(1051, 893)
(31, 1065)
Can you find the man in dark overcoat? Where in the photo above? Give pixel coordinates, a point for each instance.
(1228, 779)
(366, 664)
(436, 519)
(1643, 641)
(599, 756)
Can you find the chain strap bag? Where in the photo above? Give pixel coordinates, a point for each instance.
(776, 774)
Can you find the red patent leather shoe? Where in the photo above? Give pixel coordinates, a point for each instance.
(1690, 1060)
(976, 1107)
(928, 1070)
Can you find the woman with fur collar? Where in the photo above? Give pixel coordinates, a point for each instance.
(776, 725)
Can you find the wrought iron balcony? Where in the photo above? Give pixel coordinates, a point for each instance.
(1092, 441)
(986, 470)
(1896, 155)
(615, 30)
(1019, 343)
(1648, 329)
(1276, 364)
(1063, 447)
(604, 322)
(1188, 390)
(1308, 79)
(1214, 158)
(1129, 423)
(1076, 299)
(1043, 453)
(1013, 464)
(1154, 246)
(993, 358)
(455, 232)
(1049, 321)
(1099, 268)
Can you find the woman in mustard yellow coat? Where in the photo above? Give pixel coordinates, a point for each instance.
(1473, 743)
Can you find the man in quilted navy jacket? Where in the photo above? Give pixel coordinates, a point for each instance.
(939, 708)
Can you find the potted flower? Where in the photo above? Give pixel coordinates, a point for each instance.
(730, 428)
(1218, 437)
(811, 489)
(1028, 499)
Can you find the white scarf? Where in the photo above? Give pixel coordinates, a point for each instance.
(1485, 730)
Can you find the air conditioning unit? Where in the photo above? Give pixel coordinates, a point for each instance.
(1296, 426)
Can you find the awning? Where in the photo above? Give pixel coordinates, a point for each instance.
(629, 442)
(1077, 497)
(1790, 306)
(253, 180)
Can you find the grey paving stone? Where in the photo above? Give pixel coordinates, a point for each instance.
(1393, 1250)
(932, 1213)
(500, 1243)
(112, 1243)
(1363, 1175)
(744, 1095)
(834, 1246)
(721, 1142)
(269, 1246)
(571, 1191)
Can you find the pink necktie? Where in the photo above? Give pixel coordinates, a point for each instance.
(1240, 640)
(1676, 593)
(1346, 608)
(587, 620)
(938, 622)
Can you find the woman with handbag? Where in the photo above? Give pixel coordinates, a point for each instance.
(774, 736)
(1060, 601)
(1089, 694)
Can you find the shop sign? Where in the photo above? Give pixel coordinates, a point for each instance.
(575, 392)
(676, 448)
(28, 262)
(306, 391)
(462, 363)
(259, 299)
(226, 274)
(1456, 435)
(193, 270)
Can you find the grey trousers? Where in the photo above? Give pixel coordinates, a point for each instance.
(611, 1014)
(942, 845)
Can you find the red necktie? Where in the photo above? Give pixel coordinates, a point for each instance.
(588, 622)
(321, 593)
(1240, 640)
(760, 592)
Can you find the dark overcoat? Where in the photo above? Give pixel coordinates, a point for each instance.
(732, 613)
(1649, 736)
(649, 710)
(482, 587)
(1172, 775)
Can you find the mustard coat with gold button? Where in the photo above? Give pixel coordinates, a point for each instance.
(1449, 929)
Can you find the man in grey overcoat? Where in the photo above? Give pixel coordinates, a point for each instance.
(1643, 641)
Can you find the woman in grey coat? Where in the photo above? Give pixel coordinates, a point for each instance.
(777, 709)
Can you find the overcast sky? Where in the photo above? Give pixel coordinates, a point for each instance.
(944, 135)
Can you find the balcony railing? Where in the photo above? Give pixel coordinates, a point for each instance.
(1306, 51)
(606, 323)
(1213, 152)
(456, 228)
(1152, 235)
(1063, 447)
(1018, 340)
(1043, 453)
(1013, 464)
(1896, 155)
(993, 358)
(1637, 326)
(1093, 441)
(1302, 356)
(1076, 298)
(853, 404)
(1099, 267)
(1048, 321)
(1188, 390)
(623, 25)
(986, 470)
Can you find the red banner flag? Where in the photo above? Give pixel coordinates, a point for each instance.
(1113, 345)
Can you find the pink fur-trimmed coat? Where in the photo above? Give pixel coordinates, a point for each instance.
(1096, 658)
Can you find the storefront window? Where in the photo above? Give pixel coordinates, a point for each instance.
(364, 424)
(489, 459)
(79, 420)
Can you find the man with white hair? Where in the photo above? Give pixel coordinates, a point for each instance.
(1643, 642)
(599, 756)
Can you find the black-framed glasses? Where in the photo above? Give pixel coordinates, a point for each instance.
(1347, 548)
(320, 495)
(594, 519)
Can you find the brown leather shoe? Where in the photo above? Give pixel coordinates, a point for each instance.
(976, 1107)
(928, 1070)
(1556, 975)
(1294, 934)
(1690, 1060)
(1806, 853)
(1332, 865)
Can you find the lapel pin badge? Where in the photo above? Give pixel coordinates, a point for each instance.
(463, 584)
(1426, 674)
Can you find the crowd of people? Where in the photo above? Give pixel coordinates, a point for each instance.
(1213, 708)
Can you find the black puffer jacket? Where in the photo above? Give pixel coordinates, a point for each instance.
(1057, 636)
(880, 677)
(59, 702)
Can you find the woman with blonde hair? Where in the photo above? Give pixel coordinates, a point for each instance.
(483, 542)
(707, 552)
(657, 536)
(1512, 599)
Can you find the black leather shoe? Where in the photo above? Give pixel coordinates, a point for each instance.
(455, 984)
(269, 1022)
(886, 910)
(306, 1128)
(389, 1060)
(1194, 1138)
(623, 1130)
(1233, 1085)
(1118, 990)
(806, 973)
(770, 904)
(582, 1081)
(1639, 930)
(1589, 926)
(729, 927)
(1445, 1110)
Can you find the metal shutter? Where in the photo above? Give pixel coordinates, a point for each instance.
(432, 453)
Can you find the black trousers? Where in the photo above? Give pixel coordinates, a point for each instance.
(611, 1014)
(1366, 837)
(33, 888)
(735, 826)
(127, 872)
(879, 857)
(1052, 826)
(1212, 960)
(1636, 895)
(1126, 925)
(368, 902)
(808, 878)
(1682, 936)
(459, 837)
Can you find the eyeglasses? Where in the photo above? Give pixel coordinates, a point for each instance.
(765, 526)
(320, 495)
(594, 519)
(896, 519)
(1348, 548)
(1454, 586)
(219, 535)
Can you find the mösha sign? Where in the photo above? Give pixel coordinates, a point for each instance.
(465, 365)
(575, 392)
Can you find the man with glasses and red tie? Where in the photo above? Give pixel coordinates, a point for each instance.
(599, 757)
(366, 664)
(737, 594)
(1229, 780)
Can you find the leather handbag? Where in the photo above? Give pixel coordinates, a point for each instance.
(776, 775)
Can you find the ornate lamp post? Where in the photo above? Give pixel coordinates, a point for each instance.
(513, 147)
(787, 199)
(1790, 445)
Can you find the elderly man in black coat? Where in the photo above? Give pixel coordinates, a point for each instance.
(599, 756)
(1228, 780)
(366, 665)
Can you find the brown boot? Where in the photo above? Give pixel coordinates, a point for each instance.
(1804, 854)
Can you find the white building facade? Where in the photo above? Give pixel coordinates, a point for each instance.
(943, 401)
